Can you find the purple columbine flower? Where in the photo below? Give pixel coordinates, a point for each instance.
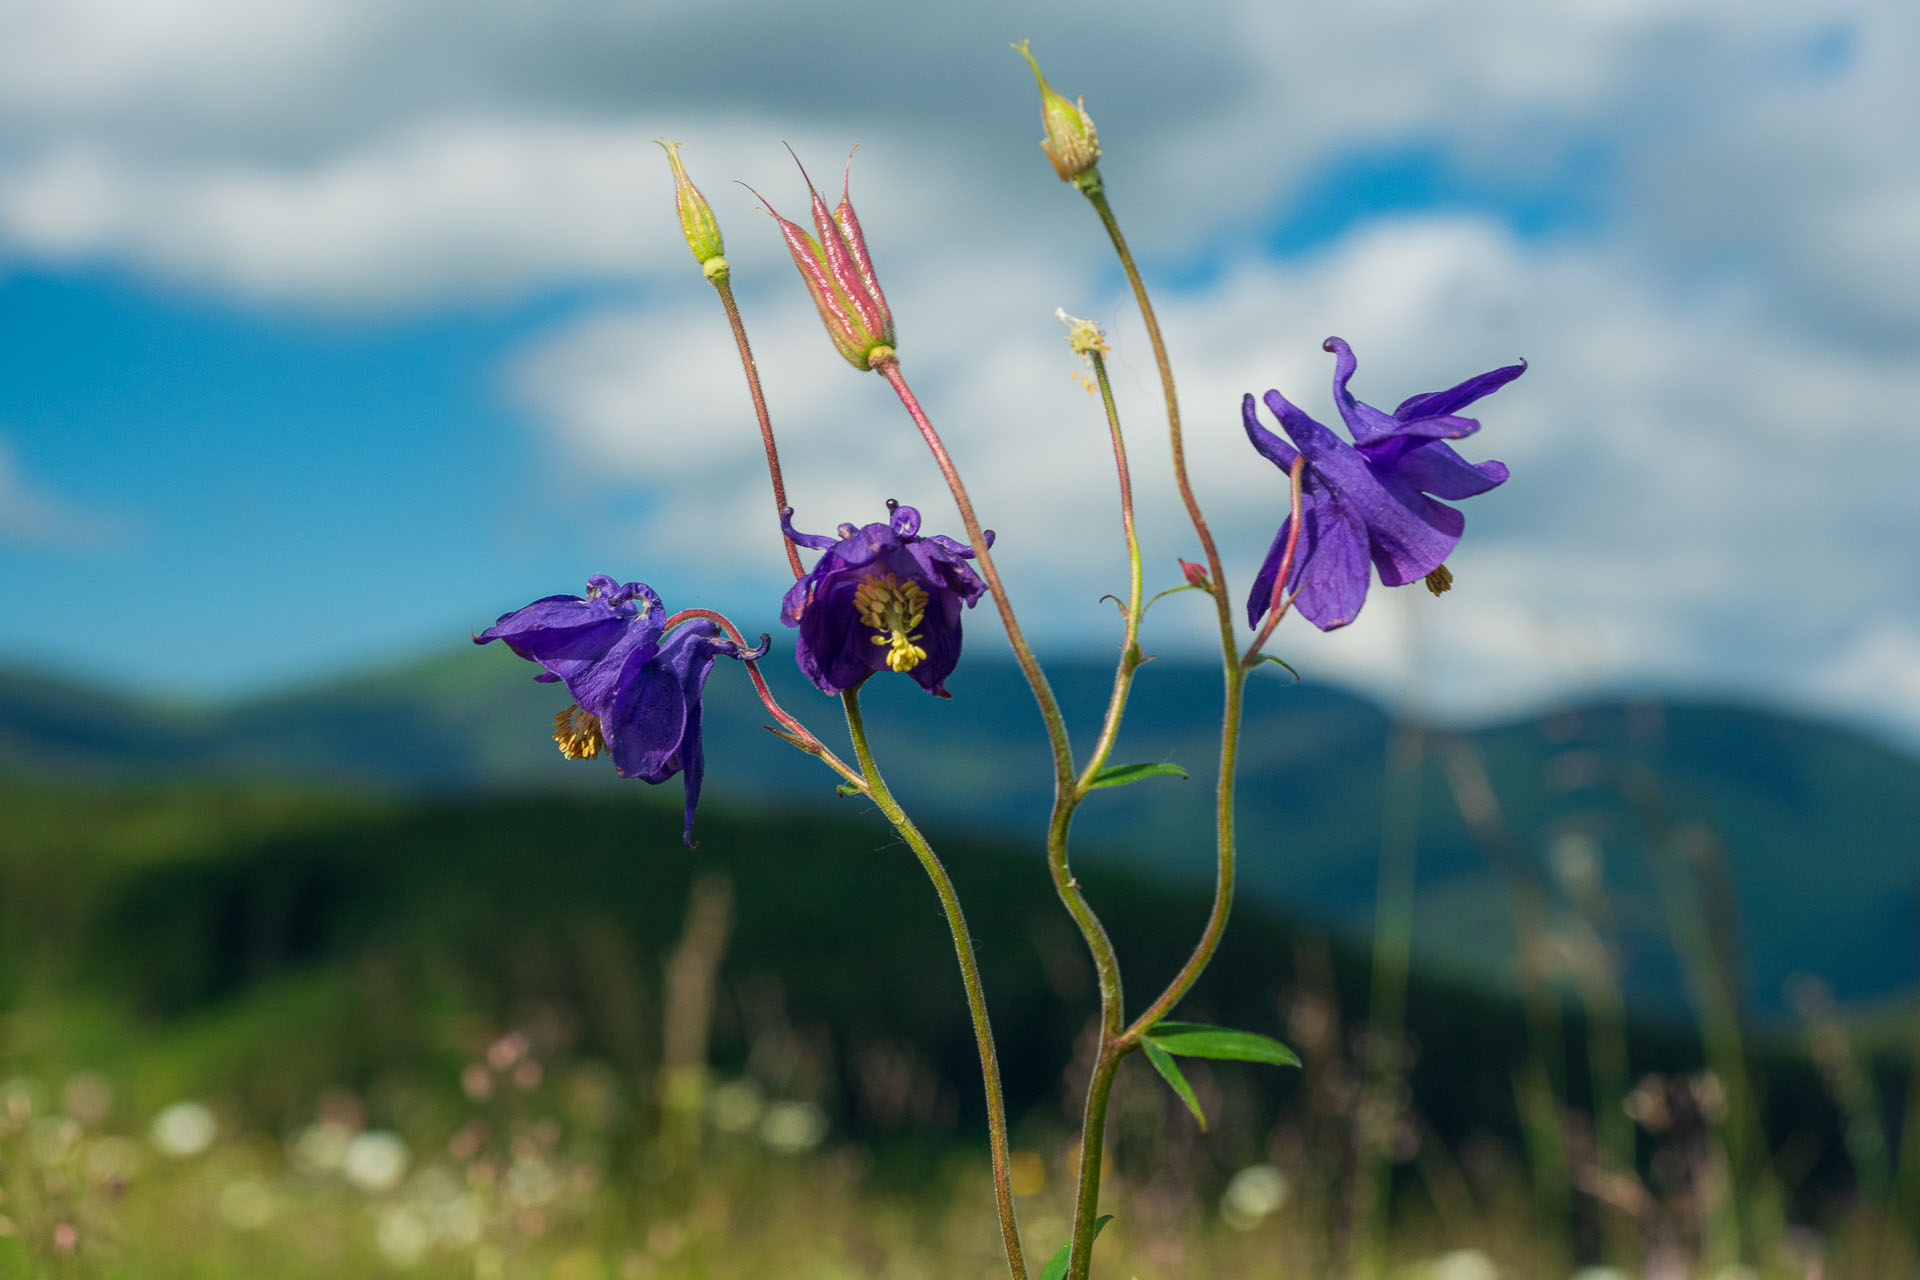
(1369, 499)
(636, 694)
(881, 598)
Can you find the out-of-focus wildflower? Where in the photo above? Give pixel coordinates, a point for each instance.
(1463, 1264)
(1369, 500)
(404, 1235)
(881, 598)
(246, 1205)
(182, 1130)
(88, 1098)
(636, 693)
(320, 1148)
(735, 1106)
(1026, 1173)
(793, 1127)
(1072, 144)
(1252, 1196)
(375, 1162)
(697, 223)
(839, 276)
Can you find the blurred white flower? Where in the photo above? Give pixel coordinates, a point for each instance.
(1463, 1264)
(182, 1130)
(735, 1106)
(246, 1205)
(403, 1236)
(1252, 1195)
(793, 1127)
(320, 1148)
(531, 1183)
(111, 1159)
(375, 1161)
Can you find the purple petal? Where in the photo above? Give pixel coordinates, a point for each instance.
(904, 520)
(1330, 569)
(816, 541)
(1436, 469)
(1404, 527)
(1438, 403)
(1268, 445)
(1364, 422)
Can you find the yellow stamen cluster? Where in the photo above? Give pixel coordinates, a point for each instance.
(893, 609)
(578, 734)
(1440, 580)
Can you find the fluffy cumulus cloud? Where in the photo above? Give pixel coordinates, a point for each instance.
(1694, 218)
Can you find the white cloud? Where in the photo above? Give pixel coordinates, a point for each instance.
(1685, 466)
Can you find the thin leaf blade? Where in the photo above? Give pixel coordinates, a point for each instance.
(1120, 775)
(1170, 1072)
(1056, 1268)
(1198, 1040)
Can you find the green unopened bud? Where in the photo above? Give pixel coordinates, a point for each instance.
(697, 222)
(1071, 142)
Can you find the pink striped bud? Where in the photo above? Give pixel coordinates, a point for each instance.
(839, 276)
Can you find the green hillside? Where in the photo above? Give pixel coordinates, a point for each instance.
(1808, 831)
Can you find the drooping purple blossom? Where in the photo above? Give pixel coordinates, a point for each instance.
(636, 692)
(881, 598)
(1372, 501)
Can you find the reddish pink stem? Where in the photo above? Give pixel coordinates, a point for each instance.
(1280, 602)
(807, 742)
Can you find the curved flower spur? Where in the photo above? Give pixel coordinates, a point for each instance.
(636, 687)
(1369, 500)
(881, 598)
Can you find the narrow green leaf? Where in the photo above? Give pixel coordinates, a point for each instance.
(1197, 1040)
(1170, 1072)
(848, 789)
(1120, 775)
(1267, 657)
(1056, 1268)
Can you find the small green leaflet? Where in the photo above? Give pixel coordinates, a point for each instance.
(1120, 775)
(1267, 657)
(1197, 1040)
(1170, 1072)
(1056, 1268)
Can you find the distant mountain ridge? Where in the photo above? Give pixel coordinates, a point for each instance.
(1812, 828)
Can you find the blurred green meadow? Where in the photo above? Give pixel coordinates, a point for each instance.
(277, 1003)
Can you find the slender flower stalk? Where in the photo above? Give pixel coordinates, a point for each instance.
(795, 732)
(876, 788)
(888, 367)
(1085, 338)
(724, 287)
(1278, 604)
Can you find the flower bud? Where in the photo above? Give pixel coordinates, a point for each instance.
(1196, 575)
(1071, 143)
(839, 275)
(697, 222)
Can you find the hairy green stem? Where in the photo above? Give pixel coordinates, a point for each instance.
(969, 977)
(1234, 678)
(1130, 641)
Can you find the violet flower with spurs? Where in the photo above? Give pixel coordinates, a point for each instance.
(636, 692)
(881, 598)
(1369, 500)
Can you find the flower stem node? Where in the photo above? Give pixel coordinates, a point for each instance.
(839, 276)
(697, 223)
(1072, 144)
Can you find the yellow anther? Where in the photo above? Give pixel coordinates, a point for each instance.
(1440, 580)
(577, 733)
(893, 609)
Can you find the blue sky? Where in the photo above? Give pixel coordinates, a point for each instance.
(332, 330)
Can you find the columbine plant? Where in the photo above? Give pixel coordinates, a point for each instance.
(883, 599)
